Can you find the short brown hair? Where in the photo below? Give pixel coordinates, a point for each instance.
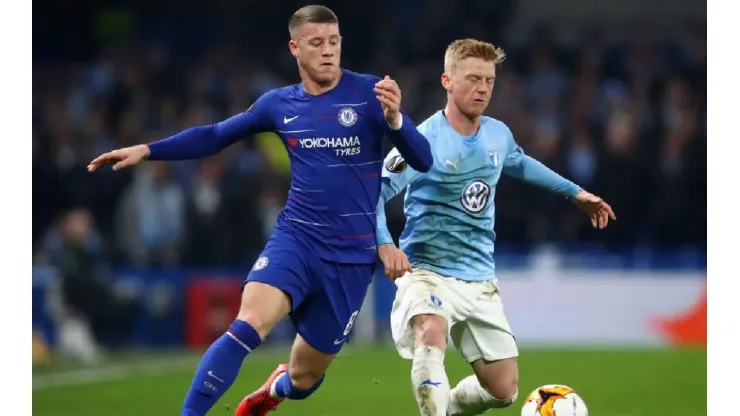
(313, 13)
(470, 48)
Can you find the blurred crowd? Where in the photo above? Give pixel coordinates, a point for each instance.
(624, 117)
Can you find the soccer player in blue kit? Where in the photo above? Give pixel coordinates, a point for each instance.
(318, 264)
(445, 271)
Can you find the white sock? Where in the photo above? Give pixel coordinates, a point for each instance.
(429, 379)
(273, 391)
(469, 398)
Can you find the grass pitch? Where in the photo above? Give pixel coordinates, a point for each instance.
(376, 382)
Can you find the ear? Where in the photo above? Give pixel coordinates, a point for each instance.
(446, 82)
(293, 46)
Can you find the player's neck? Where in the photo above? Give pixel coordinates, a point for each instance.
(314, 88)
(462, 124)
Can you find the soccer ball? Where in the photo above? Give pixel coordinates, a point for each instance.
(554, 400)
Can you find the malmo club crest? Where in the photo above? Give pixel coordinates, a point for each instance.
(475, 196)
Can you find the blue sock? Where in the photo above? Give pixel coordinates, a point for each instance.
(219, 367)
(285, 388)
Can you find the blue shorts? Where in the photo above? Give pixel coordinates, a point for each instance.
(326, 296)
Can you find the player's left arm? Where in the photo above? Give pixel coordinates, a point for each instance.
(399, 128)
(528, 169)
(397, 176)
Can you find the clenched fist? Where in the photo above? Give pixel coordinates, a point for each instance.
(389, 94)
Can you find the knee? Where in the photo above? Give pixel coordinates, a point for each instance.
(305, 379)
(430, 331)
(504, 389)
(262, 307)
(257, 321)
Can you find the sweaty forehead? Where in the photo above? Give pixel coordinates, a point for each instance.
(316, 30)
(476, 66)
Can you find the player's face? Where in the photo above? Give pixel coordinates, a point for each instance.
(318, 48)
(471, 85)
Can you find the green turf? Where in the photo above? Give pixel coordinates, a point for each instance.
(376, 383)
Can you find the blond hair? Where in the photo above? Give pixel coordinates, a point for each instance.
(462, 49)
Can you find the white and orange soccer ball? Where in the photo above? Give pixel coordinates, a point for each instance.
(554, 400)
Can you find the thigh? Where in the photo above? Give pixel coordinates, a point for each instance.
(263, 306)
(326, 317)
(421, 293)
(276, 285)
(430, 330)
(485, 333)
(476, 340)
(284, 264)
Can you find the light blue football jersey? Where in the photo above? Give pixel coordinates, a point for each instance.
(450, 209)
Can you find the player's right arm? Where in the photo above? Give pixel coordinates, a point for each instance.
(528, 169)
(195, 142)
(397, 175)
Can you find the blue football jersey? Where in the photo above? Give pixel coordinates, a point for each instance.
(335, 144)
(450, 210)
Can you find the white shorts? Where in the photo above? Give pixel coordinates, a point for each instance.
(475, 316)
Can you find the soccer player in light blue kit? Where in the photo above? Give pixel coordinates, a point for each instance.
(445, 270)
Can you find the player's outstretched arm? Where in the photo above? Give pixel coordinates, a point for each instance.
(401, 131)
(202, 141)
(518, 165)
(193, 143)
(528, 169)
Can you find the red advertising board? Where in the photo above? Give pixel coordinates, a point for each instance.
(212, 304)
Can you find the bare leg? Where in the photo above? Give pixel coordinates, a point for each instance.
(305, 372)
(493, 386)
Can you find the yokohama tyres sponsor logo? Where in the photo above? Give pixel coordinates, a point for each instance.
(343, 146)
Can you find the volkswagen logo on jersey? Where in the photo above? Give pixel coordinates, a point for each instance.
(475, 196)
(396, 164)
(347, 116)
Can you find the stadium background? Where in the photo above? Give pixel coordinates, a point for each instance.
(135, 272)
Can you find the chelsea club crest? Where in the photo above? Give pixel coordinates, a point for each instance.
(347, 116)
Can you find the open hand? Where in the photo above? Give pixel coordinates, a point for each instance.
(599, 211)
(120, 158)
